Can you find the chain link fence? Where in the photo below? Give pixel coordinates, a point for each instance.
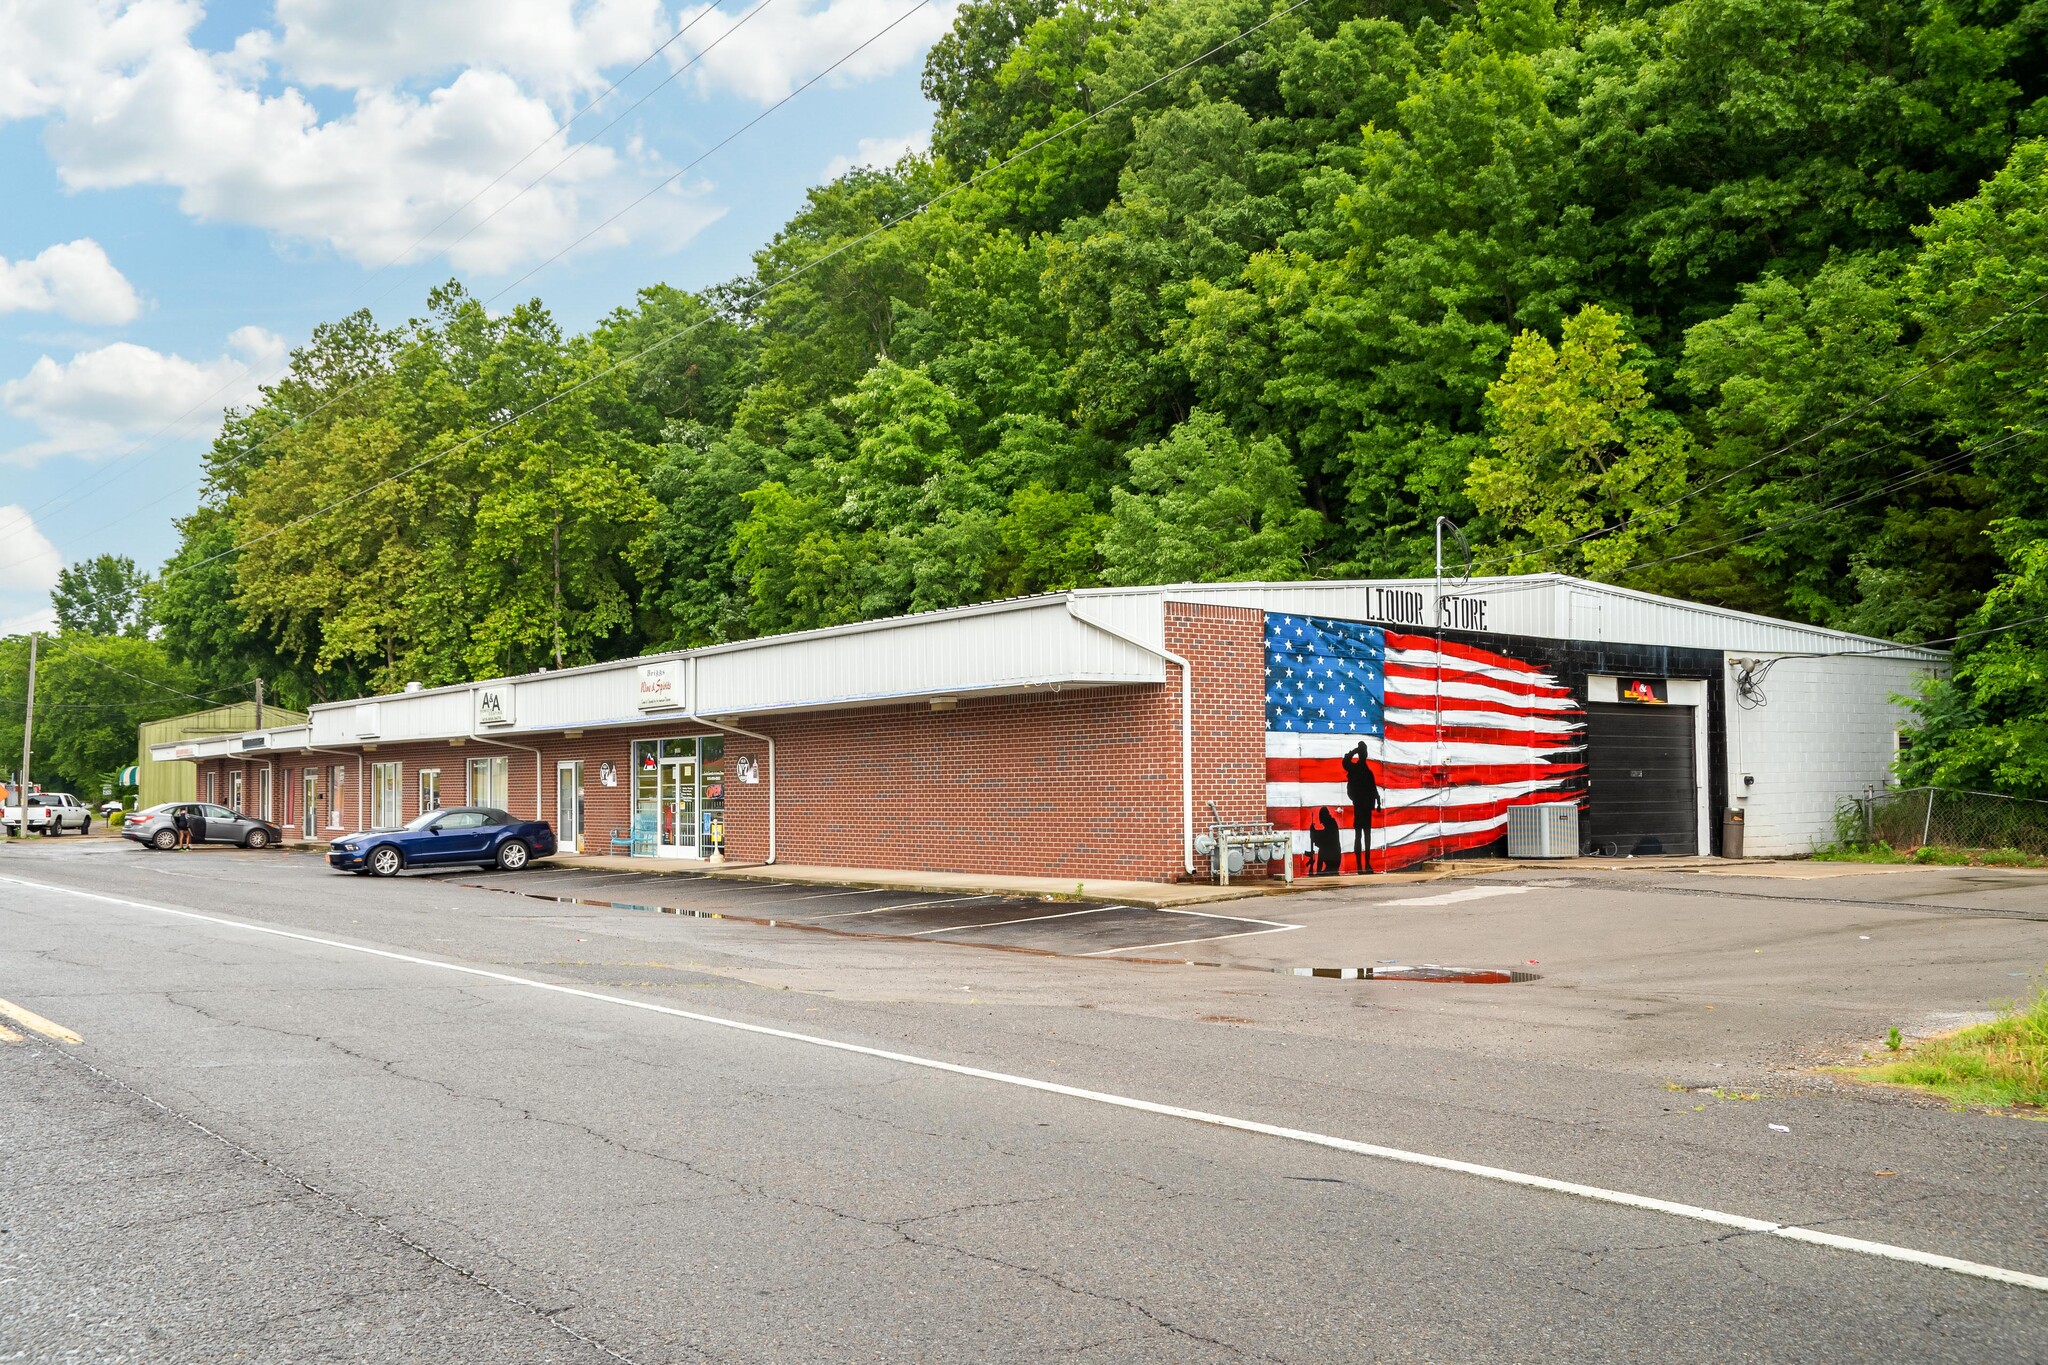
(1919, 817)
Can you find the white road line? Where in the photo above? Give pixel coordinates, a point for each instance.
(907, 905)
(1179, 942)
(1241, 919)
(1470, 893)
(828, 895)
(1499, 1174)
(1029, 919)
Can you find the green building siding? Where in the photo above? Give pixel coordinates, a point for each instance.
(176, 779)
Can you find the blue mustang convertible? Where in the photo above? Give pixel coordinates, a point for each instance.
(482, 835)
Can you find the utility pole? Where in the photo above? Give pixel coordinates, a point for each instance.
(259, 703)
(28, 730)
(558, 592)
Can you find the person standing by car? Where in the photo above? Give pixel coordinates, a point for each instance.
(181, 819)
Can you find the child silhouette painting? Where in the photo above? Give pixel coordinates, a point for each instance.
(1327, 837)
(1364, 791)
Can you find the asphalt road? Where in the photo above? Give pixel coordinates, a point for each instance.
(385, 1134)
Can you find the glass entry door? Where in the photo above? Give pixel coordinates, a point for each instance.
(310, 785)
(678, 803)
(569, 806)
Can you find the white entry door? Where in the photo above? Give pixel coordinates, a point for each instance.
(569, 806)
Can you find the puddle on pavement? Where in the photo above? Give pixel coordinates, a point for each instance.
(1424, 972)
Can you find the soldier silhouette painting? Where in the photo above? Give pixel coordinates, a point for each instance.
(1364, 791)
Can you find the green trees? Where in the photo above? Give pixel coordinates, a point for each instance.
(103, 596)
(91, 693)
(1696, 295)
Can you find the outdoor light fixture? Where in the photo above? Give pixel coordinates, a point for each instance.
(944, 703)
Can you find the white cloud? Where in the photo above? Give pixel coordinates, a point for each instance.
(552, 45)
(72, 278)
(879, 152)
(43, 620)
(33, 561)
(102, 398)
(789, 42)
(130, 101)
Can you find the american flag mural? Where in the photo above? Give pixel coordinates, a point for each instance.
(1452, 736)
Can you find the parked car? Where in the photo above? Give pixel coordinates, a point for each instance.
(211, 824)
(483, 835)
(50, 813)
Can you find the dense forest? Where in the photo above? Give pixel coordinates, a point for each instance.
(1744, 301)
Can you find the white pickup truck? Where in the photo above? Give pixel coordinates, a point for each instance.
(50, 813)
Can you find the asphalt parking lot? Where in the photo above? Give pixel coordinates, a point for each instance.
(1019, 924)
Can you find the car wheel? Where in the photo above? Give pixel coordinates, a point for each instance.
(165, 839)
(258, 838)
(385, 861)
(512, 855)
(86, 828)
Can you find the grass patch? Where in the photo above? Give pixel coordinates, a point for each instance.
(2002, 1064)
(1932, 855)
(1879, 852)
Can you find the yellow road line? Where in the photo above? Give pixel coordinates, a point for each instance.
(29, 1019)
(8, 1035)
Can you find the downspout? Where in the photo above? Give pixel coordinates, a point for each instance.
(485, 739)
(750, 734)
(1187, 725)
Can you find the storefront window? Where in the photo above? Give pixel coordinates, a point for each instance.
(711, 811)
(678, 801)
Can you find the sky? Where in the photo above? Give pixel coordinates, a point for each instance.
(188, 188)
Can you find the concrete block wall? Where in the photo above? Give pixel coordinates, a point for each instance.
(1828, 731)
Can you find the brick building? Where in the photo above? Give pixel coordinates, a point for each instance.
(1098, 733)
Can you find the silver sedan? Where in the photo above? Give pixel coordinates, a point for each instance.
(211, 824)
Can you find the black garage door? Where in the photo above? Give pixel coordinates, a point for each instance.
(1645, 795)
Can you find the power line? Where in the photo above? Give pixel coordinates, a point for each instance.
(686, 169)
(1947, 465)
(69, 495)
(65, 644)
(1967, 343)
(671, 337)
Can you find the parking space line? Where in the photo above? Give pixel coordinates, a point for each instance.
(29, 1019)
(828, 895)
(1180, 942)
(1029, 919)
(1241, 919)
(1500, 1175)
(907, 905)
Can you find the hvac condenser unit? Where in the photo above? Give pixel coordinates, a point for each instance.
(1550, 830)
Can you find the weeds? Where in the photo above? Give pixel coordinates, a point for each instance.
(2002, 1063)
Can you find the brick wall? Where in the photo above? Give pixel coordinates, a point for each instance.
(1083, 783)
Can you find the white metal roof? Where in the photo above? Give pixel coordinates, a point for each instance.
(1090, 637)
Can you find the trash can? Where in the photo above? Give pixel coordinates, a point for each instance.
(1731, 833)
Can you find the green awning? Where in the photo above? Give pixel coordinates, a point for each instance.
(130, 776)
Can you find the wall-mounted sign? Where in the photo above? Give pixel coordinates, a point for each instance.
(368, 719)
(493, 706)
(747, 769)
(1410, 607)
(255, 741)
(186, 751)
(1649, 690)
(608, 774)
(661, 686)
